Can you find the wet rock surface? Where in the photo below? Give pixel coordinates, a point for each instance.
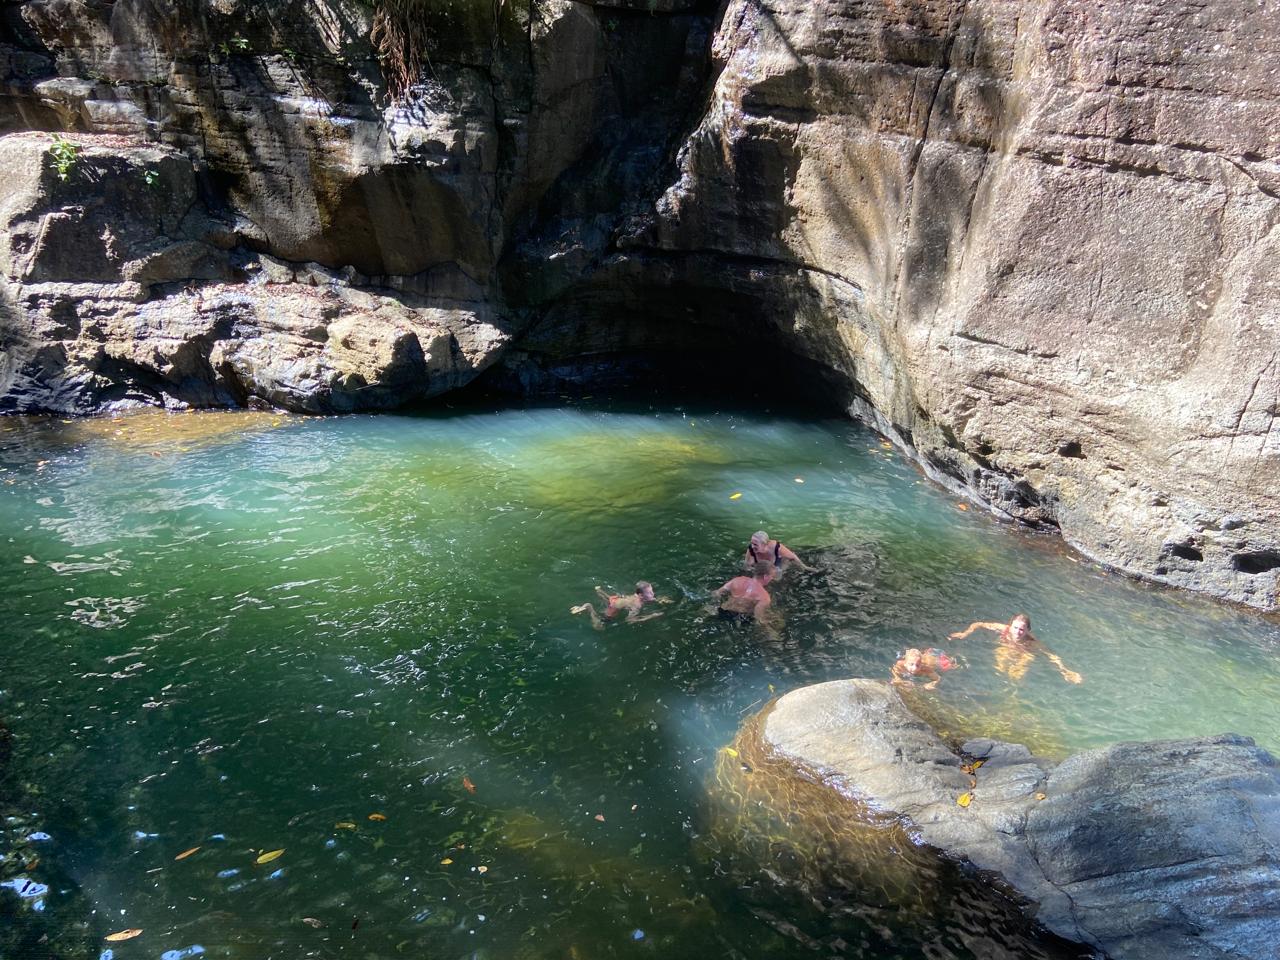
(1143, 850)
(1031, 243)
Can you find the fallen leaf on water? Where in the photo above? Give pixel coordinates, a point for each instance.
(735, 496)
(964, 799)
(379, 817)
(771, 688)
(31, 866)
(186, 853)
(344, 825)
(962, 506)
(600, 817)
(123, 935)
(313, 922)
(482, 869)
(1041, 796)
(471, 787)
(446, 861)
(268, 857)
(977, 763)
(730, 751)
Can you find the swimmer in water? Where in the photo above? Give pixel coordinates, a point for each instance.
(924, 665)
(771, 551)
(1018, 647)
(748, 597)
(616, 603)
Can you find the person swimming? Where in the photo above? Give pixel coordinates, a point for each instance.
(922, 665)
(616, 603)
(775, 553)
(747, 597)
(1018, 648)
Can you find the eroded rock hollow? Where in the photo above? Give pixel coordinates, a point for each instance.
(1034, 243)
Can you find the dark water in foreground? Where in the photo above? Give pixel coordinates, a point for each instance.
(349, 639)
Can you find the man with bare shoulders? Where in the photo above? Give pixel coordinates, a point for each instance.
(747, 597)
(776, 554)
(1018, 647)
(616, 603)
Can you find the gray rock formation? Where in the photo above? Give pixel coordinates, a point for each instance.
(1033, 243)
(1144, 850)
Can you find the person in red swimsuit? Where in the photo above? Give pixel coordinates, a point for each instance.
(616, 603)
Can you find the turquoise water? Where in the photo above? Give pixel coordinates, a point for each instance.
(247, 633)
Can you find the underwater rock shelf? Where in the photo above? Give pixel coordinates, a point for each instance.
(1144, 850)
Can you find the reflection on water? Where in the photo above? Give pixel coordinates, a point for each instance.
(349, 639)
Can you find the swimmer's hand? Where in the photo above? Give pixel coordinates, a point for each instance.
(663, 600)
(932, 685)
(1072, 677)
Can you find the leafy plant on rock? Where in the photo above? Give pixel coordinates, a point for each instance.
(65, 154)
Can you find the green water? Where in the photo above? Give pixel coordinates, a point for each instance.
(248, 633)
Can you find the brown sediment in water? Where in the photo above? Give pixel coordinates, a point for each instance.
(157, 431)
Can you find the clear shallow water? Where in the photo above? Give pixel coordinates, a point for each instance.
(247, 632)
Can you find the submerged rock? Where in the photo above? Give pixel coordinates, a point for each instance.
(1143, 850)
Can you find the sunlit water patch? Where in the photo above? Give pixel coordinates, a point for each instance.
(350, 640)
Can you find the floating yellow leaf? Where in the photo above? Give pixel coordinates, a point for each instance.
(482, 869)
(886, 444)
(446, 861)
(268, 857)
(123, 935)
(735, 496)
(977, 763)
(186, 853)
(771, 688)
(730, 751)
(379, 817)
(344, 825)
(471, 787)
(962, 506)
(1041, 796)
(964, 799)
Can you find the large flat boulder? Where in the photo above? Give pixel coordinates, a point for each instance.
(1143, 850)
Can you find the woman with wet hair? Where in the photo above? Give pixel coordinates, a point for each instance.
(1018, 647)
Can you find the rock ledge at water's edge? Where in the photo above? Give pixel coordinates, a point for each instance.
(1145, 850)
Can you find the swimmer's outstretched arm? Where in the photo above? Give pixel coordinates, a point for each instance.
(600, 591)
(1068, 674)
(632, 618)
(788, 554)
(977, 625)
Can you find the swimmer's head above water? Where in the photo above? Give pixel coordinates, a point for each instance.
(1020, 627)
(644, 589)
(759, 539)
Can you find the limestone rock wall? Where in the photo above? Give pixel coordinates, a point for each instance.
(1032, 242)
(1040, 240)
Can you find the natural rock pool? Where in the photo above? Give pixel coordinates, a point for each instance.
(349, 639)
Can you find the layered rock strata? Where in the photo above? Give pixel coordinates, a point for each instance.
(1033, 243)
(1143, 850)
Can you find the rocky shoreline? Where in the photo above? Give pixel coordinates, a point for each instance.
(1141, 850)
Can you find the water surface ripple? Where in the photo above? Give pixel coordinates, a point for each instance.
(349, 638)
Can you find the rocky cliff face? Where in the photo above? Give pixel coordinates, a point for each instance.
(1032, 242)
